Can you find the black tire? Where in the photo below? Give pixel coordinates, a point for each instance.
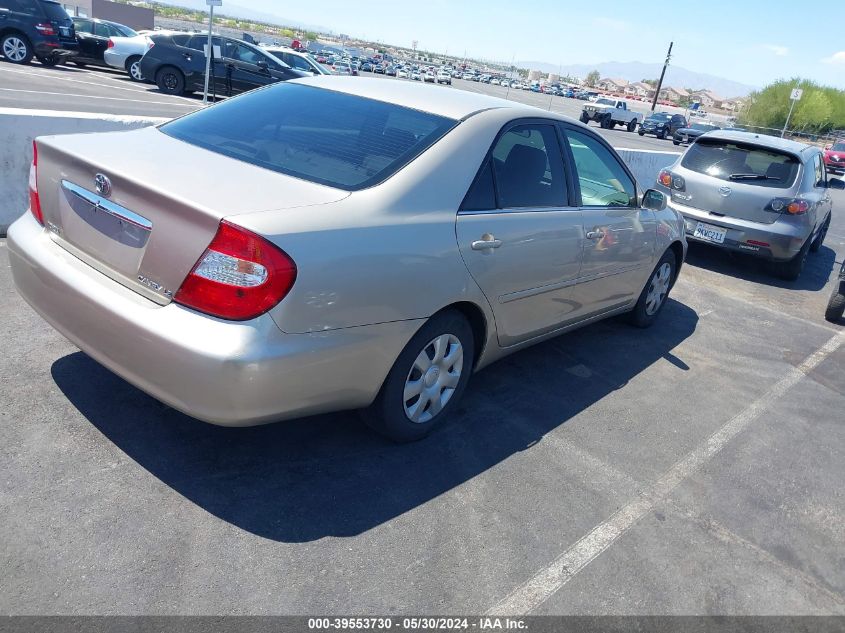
(16, 48)
(55, 60)
(133, 68)
(791, 270)
(585, 118)
(387, 415)
(817, 243)
(632, 125)
(79, 64)
(645, 313)
(170, 80)
(641, 133)
(674, 142)
(836, 305)
(661, 135)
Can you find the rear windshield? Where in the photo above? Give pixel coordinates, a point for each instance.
(740, 162)
(320, 135)
(54, 11)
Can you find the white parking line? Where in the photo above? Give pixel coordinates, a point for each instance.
(68, 94)
(547, 581)
(90, 83)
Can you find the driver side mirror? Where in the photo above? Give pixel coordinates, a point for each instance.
(263, 65)
(654, 200)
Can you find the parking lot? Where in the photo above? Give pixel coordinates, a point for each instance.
(691, 468)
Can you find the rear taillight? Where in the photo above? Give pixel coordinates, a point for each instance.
(45, 28)
(665, 178)
(240, 276)
(111, 43)
(792, 206)
(34, 200)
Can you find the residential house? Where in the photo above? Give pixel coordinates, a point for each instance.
(639, 89)
(612, 85)
(707, 99)
(673, 94)
(734, 105)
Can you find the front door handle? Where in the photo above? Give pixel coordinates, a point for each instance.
(595, 235)
(486, 242)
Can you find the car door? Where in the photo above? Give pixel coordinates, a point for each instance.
(86, 38)
(191, 60)
(518, 233)
(243, 71)
(619, 237)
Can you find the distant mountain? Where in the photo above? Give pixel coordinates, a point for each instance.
(635, 71)
(245, 13)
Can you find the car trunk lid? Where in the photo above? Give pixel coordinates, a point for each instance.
(114, 202)
(735, 179)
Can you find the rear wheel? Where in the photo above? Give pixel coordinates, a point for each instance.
(80, 64)
(133, 67)
(641, 133)
(817, 243)
(791, 270)
(656, 290)
(632, 125)
(170, 80)
(426, 381)
(676, 142)
(836, 305)
(55, 60)
(16, 48)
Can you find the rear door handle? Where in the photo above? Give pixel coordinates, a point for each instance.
(595, 235)
(486, 244)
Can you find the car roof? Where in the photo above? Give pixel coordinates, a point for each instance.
(762, 140)
(454, 104)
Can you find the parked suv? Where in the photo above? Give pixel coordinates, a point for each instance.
(35, 28)
(759, 195)
(176, 63)
(662, 124)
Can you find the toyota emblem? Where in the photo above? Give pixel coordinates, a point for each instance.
(103, 185)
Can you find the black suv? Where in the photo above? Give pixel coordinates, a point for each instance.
(39, 28)
(176, 63)
(662, 124)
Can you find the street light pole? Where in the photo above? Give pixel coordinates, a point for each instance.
(209, 50)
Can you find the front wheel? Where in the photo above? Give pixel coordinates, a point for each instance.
(656, 290)
(836, 305)
(426, 381)
(585, 118)
(55, 60)
(641, 133)
(676, 142)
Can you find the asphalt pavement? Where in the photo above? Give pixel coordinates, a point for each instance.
(691, 468)
(110, 91)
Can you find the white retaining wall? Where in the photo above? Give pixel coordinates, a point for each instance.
(19, 127)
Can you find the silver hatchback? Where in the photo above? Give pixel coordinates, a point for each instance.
(753, 194)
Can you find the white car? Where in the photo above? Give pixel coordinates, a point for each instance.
(468, 76)
(125, 53)
(299, 61)
(443, 77)
(429, 77)
(416, 76)
(402, 74)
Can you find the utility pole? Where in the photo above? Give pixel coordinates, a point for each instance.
(662, 74)
(209, 53)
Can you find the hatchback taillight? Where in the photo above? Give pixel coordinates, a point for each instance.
(791, 206)
(34, 200)
(240, 276)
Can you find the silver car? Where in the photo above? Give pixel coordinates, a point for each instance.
(336, 243)
(125, 53)
(753, 194)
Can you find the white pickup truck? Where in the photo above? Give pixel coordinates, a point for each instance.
(610, 113)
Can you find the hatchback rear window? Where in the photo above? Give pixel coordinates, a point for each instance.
(328, 137)
(741, 162)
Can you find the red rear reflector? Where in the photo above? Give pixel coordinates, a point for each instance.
(34, 200)
(756, 243)
(240, 276)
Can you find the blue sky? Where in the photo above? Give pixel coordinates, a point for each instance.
(752, 41)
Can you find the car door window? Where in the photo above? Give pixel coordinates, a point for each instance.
(602, 179)
(83, 26)
(101, 30)
(29, 7)
(821, 177)
(528, 168)
(482, 194)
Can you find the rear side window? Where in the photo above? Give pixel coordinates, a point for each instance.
(482, 193)
(30, 7)
(328, 137)
(54, 11)
(741, 162)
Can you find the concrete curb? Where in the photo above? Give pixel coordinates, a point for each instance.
(18, 127)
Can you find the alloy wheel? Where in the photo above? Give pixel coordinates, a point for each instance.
(433, 378)
(135, 71)
(14, 49)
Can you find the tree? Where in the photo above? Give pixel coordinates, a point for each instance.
(592, 78)
(310, 35)
(821, 108)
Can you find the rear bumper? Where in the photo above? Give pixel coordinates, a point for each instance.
(50, 47)
(117, 60)
(784, 239)
(223, 372)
